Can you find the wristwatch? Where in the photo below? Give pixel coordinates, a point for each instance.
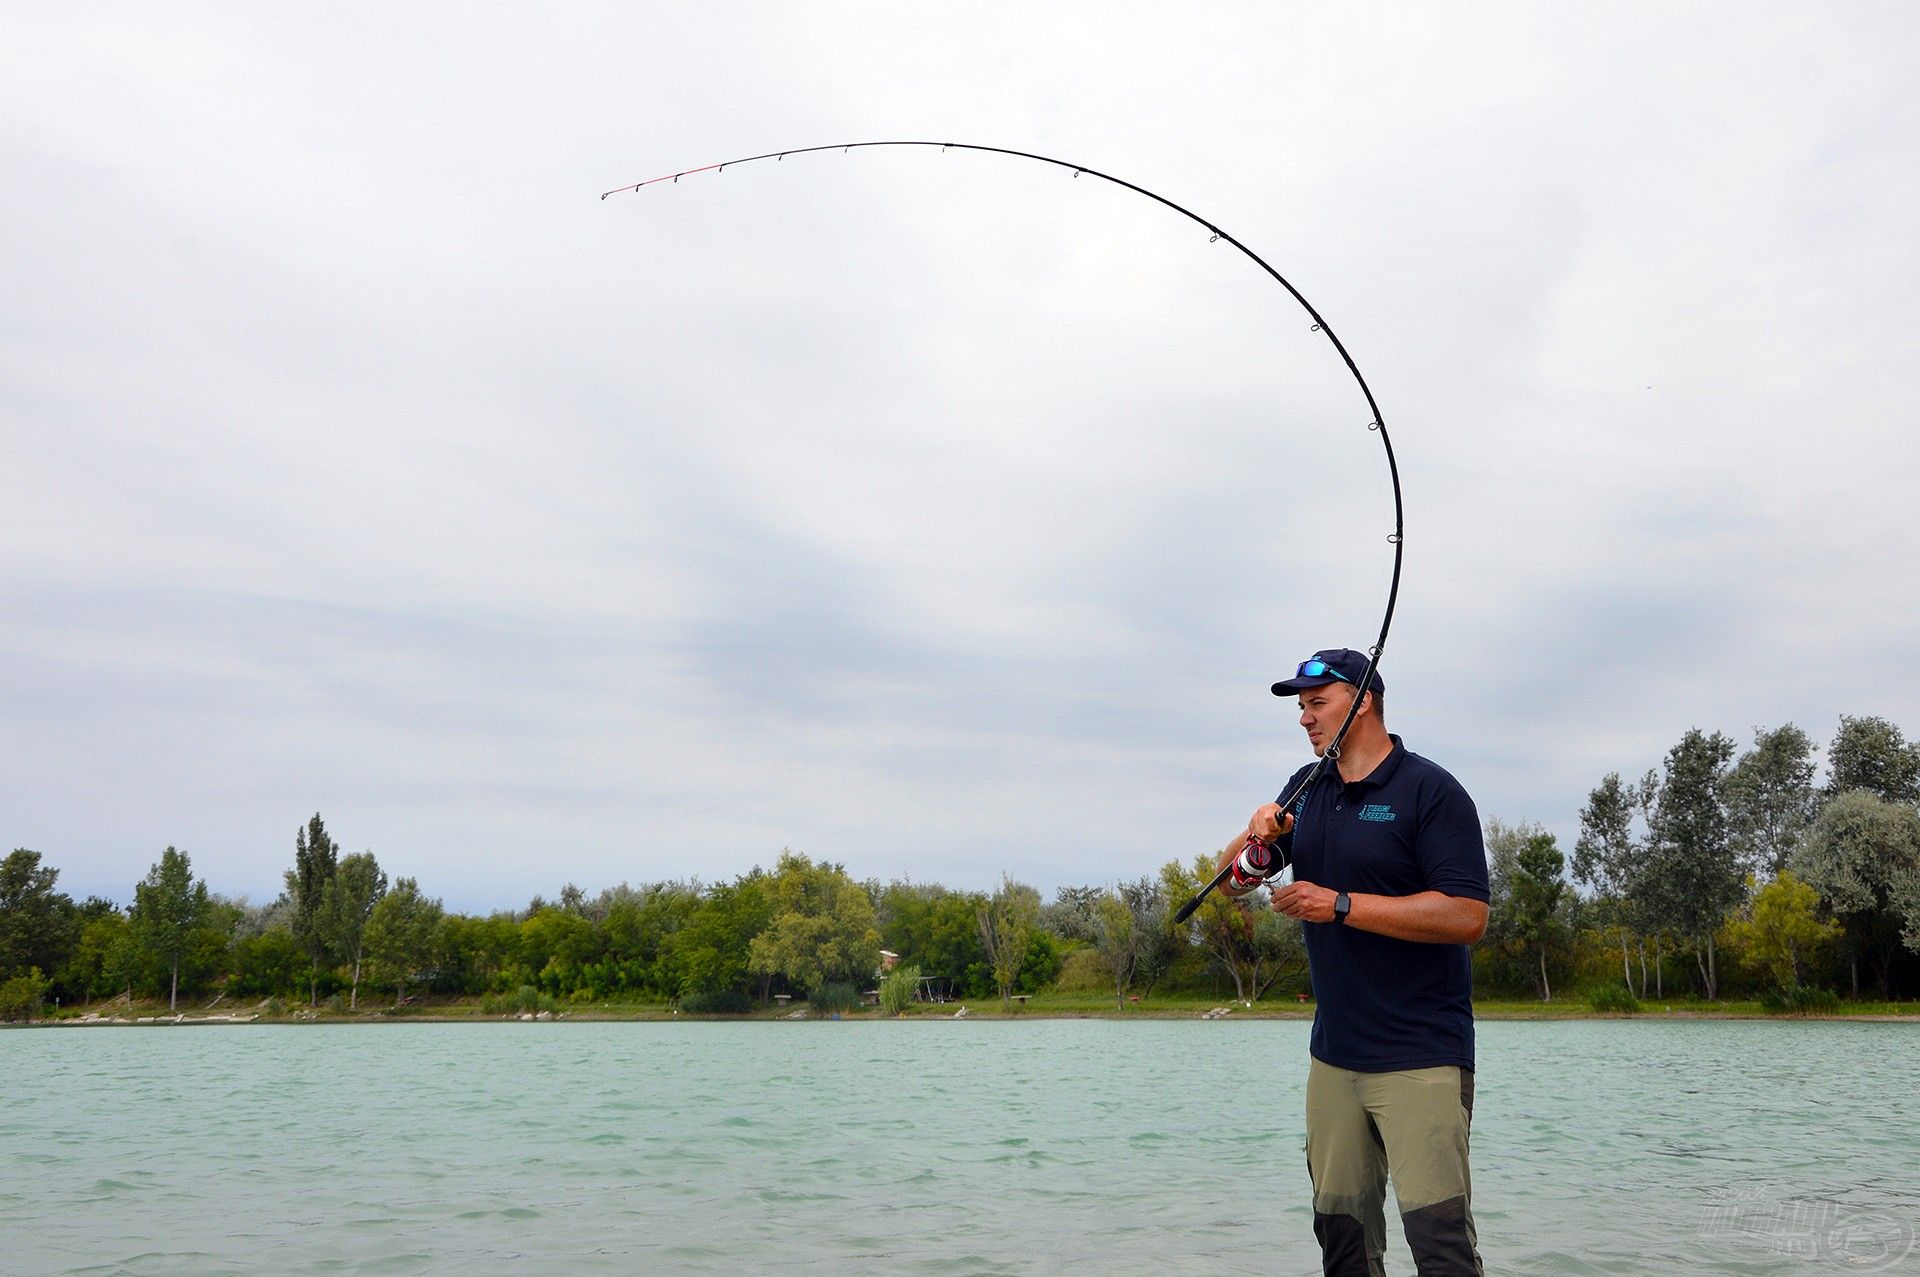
(1342, 905)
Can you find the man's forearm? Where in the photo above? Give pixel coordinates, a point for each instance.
(1430, 917)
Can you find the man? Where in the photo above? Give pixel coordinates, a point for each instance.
(1390, 884)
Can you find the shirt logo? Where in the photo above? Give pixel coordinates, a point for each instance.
(1377, 811)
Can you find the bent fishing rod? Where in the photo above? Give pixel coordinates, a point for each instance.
(1274, 861)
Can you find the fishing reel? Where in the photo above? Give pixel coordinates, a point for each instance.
(1255, 864)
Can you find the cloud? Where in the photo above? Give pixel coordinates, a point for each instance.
(928, 512)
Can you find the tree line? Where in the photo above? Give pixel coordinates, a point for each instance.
(1733, 865)
(796, 929)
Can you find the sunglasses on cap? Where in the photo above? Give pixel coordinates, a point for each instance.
(1320, 669)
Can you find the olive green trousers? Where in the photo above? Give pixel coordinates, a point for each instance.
(1408, 1126)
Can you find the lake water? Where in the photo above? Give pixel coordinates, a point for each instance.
(922, 1147)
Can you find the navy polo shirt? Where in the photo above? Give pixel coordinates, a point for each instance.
(1383, 1004)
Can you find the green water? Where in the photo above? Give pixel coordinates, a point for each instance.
(922, 1147)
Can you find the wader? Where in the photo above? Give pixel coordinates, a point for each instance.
(1412, 1125)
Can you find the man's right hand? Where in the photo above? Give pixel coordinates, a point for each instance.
(1268, 823)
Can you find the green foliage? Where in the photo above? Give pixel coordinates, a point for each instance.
(1770, 798)
(638, 933)
(1604, 856)
(22, 996)
(823, 927)
(1537, 899)
(898, 988)
(104, 961)
(1871, 755)
(315, 858)
(38, 925)
(1156, 946)
(1530, 932)
(476, 955)
(1071, 915)
(716, 1002)
(1861, 854)
(834, 997)
(1692, 878)
(1799, 1000)
(1006, 921)
(271, 963)
(525, 1000)
(401, 935)
(1614, 998)
(1117, 940)
(1784, 930)
(937, 930)
(1084, 970)
(346, 903)
(555, 947)
(710, 950)
(1253, 944)
(1041, 965)
(169, 907)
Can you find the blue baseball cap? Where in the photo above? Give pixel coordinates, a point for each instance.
(1335, 665)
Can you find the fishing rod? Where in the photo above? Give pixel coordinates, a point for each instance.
(1258, 866)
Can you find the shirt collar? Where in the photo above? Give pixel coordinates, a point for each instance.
(1380, 775)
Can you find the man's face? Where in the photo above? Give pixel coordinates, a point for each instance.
(1322, 709)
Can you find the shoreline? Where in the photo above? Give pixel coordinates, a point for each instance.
(187, 1019)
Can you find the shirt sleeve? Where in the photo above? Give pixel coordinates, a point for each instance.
(1451, 851)
(1284, 844)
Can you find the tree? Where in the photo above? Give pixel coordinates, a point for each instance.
(1608, 854)
(267, 964)
(1693, 878)
(38, 925)
(635, 931)
(1255, 945)
(1784, 929)
(1537, 899)
(476, 955)
(1871, 754)
(1006, 922)
(1071, 915)
(1156, 945)
(400, 935)
(1906, 903)
(823, 926)
(101, 960)
(710, 952)
(1770, 798)
(1117, 939)
(346, 903)
(315, 859)
(937, 930)
(169, 905)
(556, 945)
(1041, 965)
(1859, 854)
(21, 996)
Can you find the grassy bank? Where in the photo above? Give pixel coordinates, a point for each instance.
(1052, 1005)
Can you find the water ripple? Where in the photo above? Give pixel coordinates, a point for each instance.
(1600, 1148)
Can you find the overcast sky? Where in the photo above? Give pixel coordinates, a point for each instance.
(937, 514)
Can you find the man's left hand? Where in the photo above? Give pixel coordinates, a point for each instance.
(1309, 902)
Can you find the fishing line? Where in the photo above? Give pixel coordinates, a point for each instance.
(1376, 421)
